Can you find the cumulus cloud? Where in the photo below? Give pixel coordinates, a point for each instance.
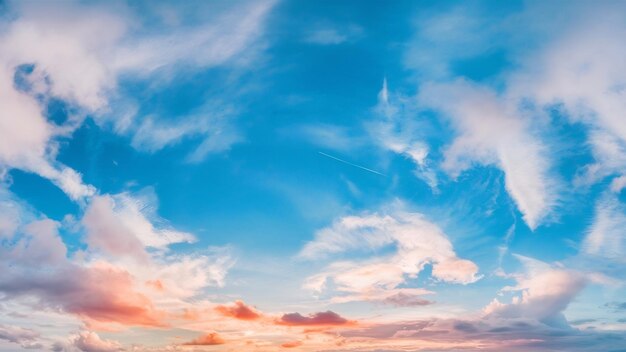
(545, 293)
(417, 243)
(89, 341)
(491, 131)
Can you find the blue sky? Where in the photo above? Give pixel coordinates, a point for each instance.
(316, 176)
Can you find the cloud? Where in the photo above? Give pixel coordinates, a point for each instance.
(123, 225)
(37, 265)
(10, 214)
(291, 344)
(492, 132)
(533, 320)
(616, 306)
(443, 38)
(82, 65)
(79, 291)
(618, 184)
(476, 334)
(333, 35)
(27, 143)
(398, 297)
(24, 337)
(396, 130)
(211, 122)
(88, 341)
(238, 310)
(606, 238)
(417, 243)
(546, 292)
(209, 339)
(333, 137)
(40, 244)
(587, 88)
(327, 318)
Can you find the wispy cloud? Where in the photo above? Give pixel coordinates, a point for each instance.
(493, 132)
(333, 35)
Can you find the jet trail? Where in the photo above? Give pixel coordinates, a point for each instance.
(351, 164)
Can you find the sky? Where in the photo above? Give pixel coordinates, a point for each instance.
(278, 175)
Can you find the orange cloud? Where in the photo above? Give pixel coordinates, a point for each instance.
(238, 310)
(105, 294)
(328, 318)
(209, 339)
(291, 344)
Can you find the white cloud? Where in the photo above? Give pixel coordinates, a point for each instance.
(396, 131)
(491, 131)
(417, 243)
(10, 214)
(25, 139)
(606, 238)
(333, 35)
(618, 184)
(78, 53)
(581, 72)
(89, 341)
(120, 225)
(546, 291)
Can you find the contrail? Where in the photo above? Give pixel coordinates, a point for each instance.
(351, 164)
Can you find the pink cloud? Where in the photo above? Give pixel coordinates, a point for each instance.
(209, 339)
(238, 310)
(37, 266)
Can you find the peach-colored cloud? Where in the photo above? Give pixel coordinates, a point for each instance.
(238, 310)
(105, 294)
(155, 284)
(209, 339)
(99, 293)
(291, 344)
(328, 318)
